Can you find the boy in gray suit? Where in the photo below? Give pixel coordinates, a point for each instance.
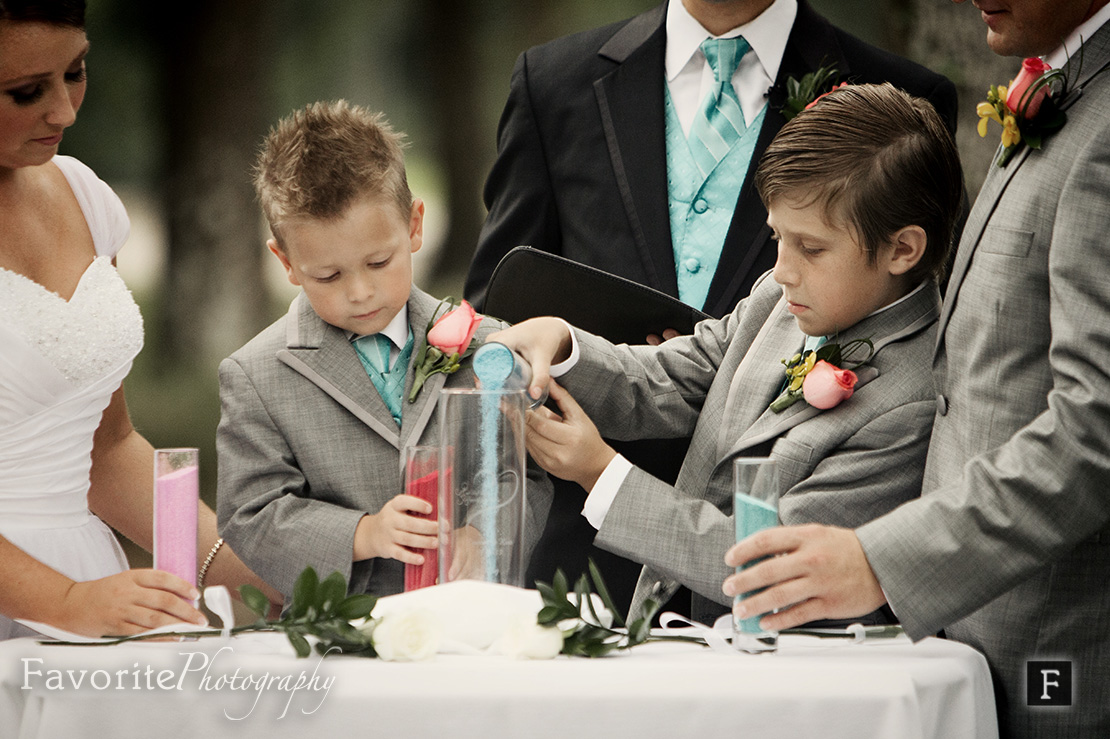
(317, 410)
(863, 192)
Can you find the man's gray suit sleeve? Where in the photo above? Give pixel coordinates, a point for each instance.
(1019, 506)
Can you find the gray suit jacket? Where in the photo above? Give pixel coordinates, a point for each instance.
(843, 466)
(1007, 549)
(307, 447)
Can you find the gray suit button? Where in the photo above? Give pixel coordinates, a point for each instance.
(942, 405)
(657, 588)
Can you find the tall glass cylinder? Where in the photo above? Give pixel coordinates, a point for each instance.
(422, 481)
(756, 507)
(482, 490)
(176, 492)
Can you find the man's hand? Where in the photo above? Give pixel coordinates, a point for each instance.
(656, 339)
(542, 342)
(813, 572)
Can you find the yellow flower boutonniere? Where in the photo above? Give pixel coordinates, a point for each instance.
(1026, 109)
(817, 377)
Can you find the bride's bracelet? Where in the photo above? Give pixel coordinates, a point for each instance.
(208, 562)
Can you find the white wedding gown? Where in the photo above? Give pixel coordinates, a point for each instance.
(60, 362)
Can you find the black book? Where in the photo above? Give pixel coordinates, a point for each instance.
(528, 282)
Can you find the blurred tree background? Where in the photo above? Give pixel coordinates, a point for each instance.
(178, 102)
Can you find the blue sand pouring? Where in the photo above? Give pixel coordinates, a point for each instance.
(500, 368)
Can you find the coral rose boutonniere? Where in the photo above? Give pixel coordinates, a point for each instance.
(817, 376)
(449, 341)
(817, 99)
(1026, 110)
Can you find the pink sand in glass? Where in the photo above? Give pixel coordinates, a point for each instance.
(175, 523)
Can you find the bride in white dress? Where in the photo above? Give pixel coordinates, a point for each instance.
(69, 330)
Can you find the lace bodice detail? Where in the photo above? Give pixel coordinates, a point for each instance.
(97, 330)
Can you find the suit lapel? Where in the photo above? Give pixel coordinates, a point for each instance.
(323, 355)
(630, 102)
(416, 415)
(771, 425)
(748, 250)
(989, 194)
(1091, 62)
(906, 319)
(758, 376)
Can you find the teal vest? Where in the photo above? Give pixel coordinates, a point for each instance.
(701, 210)
(390, 385)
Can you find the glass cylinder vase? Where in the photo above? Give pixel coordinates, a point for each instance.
(422, 481)
(482, 495)
(756, 507)
(176, 492)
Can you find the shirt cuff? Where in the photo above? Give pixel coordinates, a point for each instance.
(560, 369)
(605, 490)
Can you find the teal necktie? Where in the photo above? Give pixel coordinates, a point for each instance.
(813, 343)
(373, 352)
(720, 121)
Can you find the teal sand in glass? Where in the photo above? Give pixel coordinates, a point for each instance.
(756, 491)
(482, 503)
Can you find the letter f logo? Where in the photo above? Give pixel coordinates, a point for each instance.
(1048, 683)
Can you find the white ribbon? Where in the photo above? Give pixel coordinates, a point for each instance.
(719, 635)
(714, 636)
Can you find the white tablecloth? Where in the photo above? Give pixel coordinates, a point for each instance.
(210, 689)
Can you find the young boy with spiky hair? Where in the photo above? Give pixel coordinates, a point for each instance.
(317, 410)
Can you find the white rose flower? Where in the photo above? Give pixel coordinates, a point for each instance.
(406, 636)
(472, 614)
(523, 638)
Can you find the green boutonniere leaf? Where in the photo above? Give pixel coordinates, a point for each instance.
(800, 93)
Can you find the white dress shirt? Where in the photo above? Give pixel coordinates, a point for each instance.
(1060, 56)
(397, 331)
(689, 76)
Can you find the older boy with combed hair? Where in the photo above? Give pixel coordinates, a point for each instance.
(863, 191)
(315, 420)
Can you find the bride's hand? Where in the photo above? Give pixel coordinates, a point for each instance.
(128, 603)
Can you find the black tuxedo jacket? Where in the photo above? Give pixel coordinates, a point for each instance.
(581, 168)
